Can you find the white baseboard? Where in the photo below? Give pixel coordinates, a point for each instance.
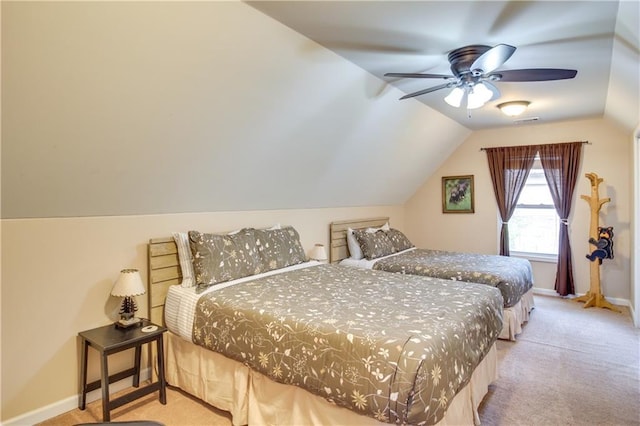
(545, 292)
(44, 413)
(614, 300)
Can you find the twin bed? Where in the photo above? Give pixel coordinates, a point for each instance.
(259, 331)
(387, 249)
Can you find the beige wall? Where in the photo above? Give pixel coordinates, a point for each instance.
(607, 155)
(251, 114)
(58, 274)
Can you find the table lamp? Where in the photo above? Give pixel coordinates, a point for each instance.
(318, 253)
(128, 285)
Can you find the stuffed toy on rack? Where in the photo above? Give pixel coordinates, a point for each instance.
(604, 245)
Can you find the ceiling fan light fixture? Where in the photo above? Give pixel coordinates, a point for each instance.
(479, 95)
(513, 108)
(474, 102)
(455, 97)
(472, 96)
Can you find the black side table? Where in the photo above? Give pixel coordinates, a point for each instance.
(109, 340)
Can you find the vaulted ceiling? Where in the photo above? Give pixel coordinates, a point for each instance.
(591, 37)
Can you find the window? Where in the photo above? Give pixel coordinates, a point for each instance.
(534, 226)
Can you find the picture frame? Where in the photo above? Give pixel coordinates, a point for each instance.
(457, 194)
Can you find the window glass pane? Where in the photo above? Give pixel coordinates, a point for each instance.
(534, 231)
(534, 226)
(536, 190)
(534, 195)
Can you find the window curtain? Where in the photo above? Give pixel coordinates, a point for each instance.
(509, 168)
(561, 163)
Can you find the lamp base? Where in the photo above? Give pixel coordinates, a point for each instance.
(127, 323)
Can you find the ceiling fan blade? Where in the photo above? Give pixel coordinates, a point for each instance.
(492, 59)
(534, 74)
(422, 92)
(416, 75)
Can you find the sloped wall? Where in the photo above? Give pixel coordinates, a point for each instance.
(117, 108)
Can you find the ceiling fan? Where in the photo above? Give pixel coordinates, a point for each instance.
(475, 69)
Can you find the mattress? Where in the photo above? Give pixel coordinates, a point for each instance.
(391, 347)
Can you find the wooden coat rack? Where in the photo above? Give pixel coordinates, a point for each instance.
(594, 296)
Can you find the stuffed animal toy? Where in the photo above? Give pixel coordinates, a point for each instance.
(604, 245)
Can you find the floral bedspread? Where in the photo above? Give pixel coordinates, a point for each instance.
(390, 346)
(511, 275)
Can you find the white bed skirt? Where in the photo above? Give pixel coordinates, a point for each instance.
(517, 315)
(254, 399)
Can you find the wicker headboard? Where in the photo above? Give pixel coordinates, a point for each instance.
(164, 271)
(338, 235)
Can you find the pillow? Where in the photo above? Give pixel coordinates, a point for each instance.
(374, 244)
(355, 252)
(399, 240)
(184, 256)
(219, 258)
(354, 247)
(276, 226)
(279, 248)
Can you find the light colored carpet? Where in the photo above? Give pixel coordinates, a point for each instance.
(570, 366)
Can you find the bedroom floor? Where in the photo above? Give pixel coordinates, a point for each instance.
(570, 366)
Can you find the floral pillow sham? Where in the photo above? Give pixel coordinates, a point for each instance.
(218, 258)
(381, 243)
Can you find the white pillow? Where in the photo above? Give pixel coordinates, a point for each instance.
(384, 227)
(354, 248)
(184, 255)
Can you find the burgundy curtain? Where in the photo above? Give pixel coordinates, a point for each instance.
(509, 168)
(561, 163)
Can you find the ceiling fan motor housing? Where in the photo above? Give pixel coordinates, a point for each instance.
(462, 58)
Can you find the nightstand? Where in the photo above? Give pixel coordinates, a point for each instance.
(109, 340)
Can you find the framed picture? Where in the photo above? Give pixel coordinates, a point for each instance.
(457, 194)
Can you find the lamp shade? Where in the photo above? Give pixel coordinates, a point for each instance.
(513, 108)
(478, 96)
(455, 97)
(129, 283)
(318, 252)
(472, 96)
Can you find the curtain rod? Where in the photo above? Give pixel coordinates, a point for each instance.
(582, 142)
